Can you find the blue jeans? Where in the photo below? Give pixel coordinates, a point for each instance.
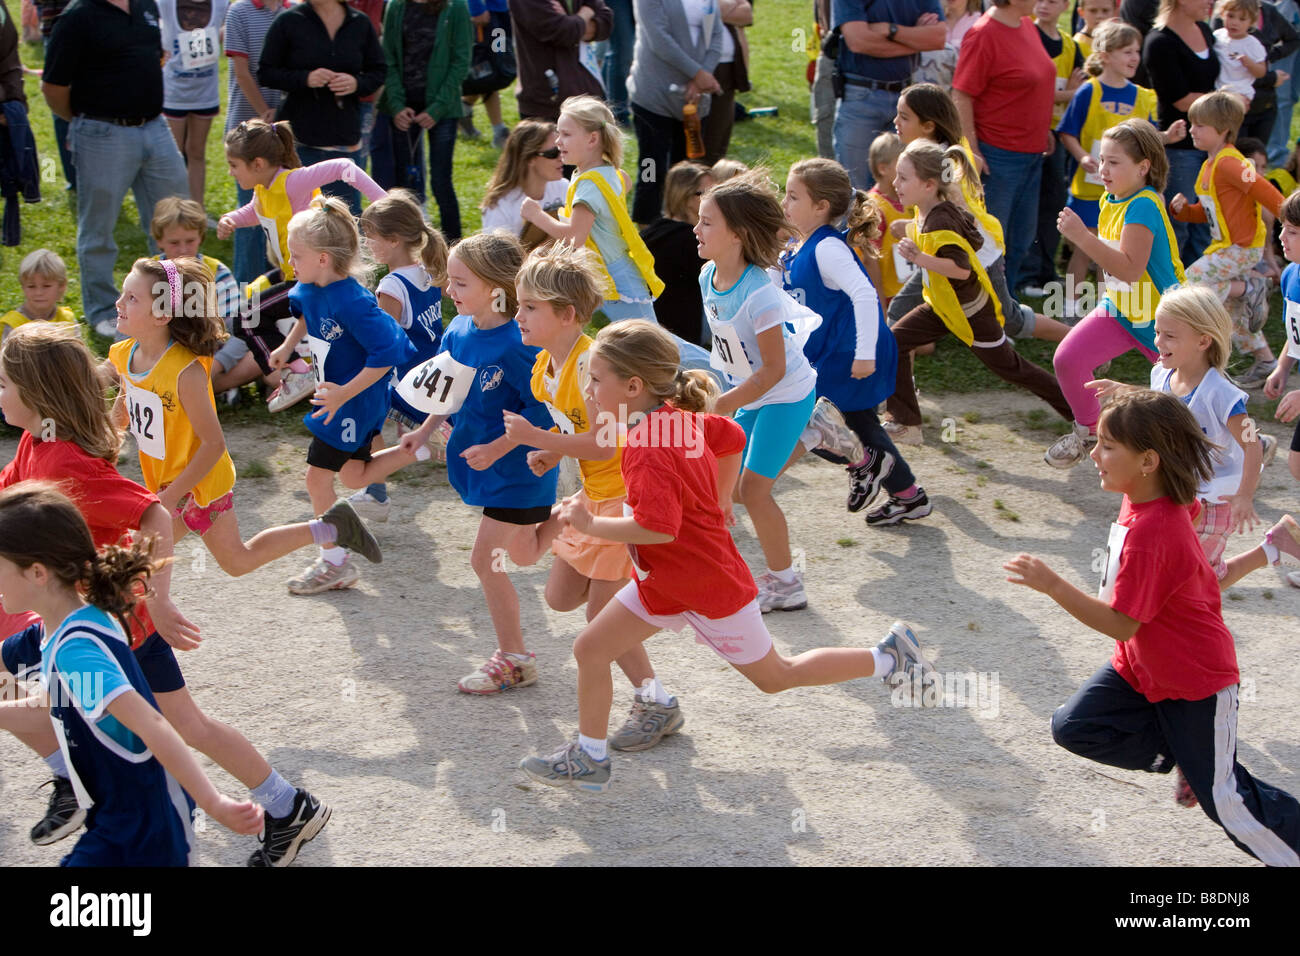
(311, 155)
(110, 160)
(442, 146)
(861, 116)
(250, 245)
(618, 58)
(1011, 197)
(1192, 238)
(1280, 142)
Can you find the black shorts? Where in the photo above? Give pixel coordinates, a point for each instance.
(181, 114)
(1295, 437)
(323, 455)
(520, 516)
(157, 660)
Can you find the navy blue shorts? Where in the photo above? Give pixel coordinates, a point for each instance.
(22, 654)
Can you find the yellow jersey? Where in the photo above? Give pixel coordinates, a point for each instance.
(12, 320)
(271, 203)
(938, 290)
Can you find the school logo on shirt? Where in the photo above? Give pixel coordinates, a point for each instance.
(713, 310)
(168, 400)
(429, 319)
(490, 377)
(330, 330)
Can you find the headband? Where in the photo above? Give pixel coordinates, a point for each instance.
(173, 285)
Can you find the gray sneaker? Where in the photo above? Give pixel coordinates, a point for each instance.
(836, 436)
(648, 723)
(323, 576)
(1267, 448)
(1257, 374)
(1071, 448)
(775, 595)
(910, 664)
(569, 766)
(353, 533)
(1255, 301)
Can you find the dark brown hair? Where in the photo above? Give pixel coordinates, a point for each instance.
(258, 139)
(932, 104)
(750, 209)
(827, 181)
(1145, 420)
(196, 326)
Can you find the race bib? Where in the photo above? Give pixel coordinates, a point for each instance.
(272, 239)
(562, 421)
(1110, 566)
(728, 353)
(199, 48)
(320, 350)
(1211, 215)
(1060, 83)
(145, 419)
(1111, 283)
(902, 268)
(1292, 319)
(1094, 178)
(438, 386)
(631, 548)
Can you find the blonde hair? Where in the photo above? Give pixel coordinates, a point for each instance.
(681, 183)
(827, 181)
(1201, 311)
(1109, 37)
(43, 263)
(725, 169)
(751, 210)
(563, 276)
(173, 211)
(1220, 111)
(1248, 7)
(399, 216)
(1140, 141)
(885, 148)
(948, 167)
(525, 142)
(196, 325)
(594, 116)
(327, 226)
(57, 378)
(495, 258)
(258, 139)
(636, 348)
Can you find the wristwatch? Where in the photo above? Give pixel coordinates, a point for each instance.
(893, 30)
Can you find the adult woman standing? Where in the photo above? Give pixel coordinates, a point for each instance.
(325, 56)
(1003, 89)
(732, 74)
(1178, 55)
(529, 168)
(671, 240)
(678, 43)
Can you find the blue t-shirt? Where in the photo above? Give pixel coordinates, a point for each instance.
(903, 12)
(503, 371)
(608, 239)
(349, 332)
(1143, 211)
(1114, 99)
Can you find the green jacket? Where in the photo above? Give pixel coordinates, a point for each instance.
(448, 64)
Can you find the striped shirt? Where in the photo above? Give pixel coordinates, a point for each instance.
(246, 24)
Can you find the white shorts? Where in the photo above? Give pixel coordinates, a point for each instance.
(740, 638)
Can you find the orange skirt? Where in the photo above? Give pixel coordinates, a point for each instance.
(595, 558)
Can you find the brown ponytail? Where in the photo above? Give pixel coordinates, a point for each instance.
(258, 139)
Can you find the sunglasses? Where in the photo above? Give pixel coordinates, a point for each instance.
(552, 153)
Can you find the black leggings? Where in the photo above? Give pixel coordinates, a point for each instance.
(257, 325)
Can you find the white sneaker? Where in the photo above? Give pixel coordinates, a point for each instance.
(834, 433)
(370, 507)
(903, 434)
(323, 576)
(107, 328)
(776, 595)
(1268, 448)
(1071, 448)
(293, 388)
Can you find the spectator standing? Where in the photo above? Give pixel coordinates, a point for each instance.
(550, 35)
(491, 18)
(618, 59)
(191, 35)
(1279, 143)
(732, 74)
(49, 11)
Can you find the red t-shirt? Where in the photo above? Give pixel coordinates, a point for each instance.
(1012, 81)
(111, 504)
(1182, 649)
(670, 468)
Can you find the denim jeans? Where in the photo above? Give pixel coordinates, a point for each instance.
(861, 116)
(381, 152)
(442, 146)
(250, 245)
(311, 155)
(1192, 238)
(110, 160)
(618, 57)
(1011, 197)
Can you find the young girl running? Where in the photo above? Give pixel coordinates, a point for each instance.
(959, 297)
(415, 254)
(1230, 197)
(163, 368)
(852, 351)
(559, 288)
(127, 765)
(680, 466)
(1194, 340)
(262, 158)
(48, 375)
(483, 371)
(1168, 695)
(1137, 253)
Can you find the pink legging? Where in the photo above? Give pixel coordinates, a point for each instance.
(1098, 338)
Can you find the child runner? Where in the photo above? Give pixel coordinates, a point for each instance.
(823, 273)
(1138, 255)
(43, 276)
(1229, 196)
(482, 371)
(680, 466)
(127, 765)
(191, 38)
(399, 238)
(889, 267)
(959, 298)
(559, 288)
(163, 367)
(47, 375)
(262, 158)
(1168, 695)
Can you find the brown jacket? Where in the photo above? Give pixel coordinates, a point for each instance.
(547, 35)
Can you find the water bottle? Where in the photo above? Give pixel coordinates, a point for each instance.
(554, 82)
(694, 135)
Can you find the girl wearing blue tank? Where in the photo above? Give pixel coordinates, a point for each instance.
(853, 349)
(354, 346)
(415, 254)
(129, 768)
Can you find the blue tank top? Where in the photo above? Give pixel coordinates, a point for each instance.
(425, 333)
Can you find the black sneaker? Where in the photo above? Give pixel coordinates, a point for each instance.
(282, 837)
(897, 510)
(62, 817)
(865, 479)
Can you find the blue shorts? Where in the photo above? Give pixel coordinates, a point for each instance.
(772, 431)
(22, 654)
(1089, 210)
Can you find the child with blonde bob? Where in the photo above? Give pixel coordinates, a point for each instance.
(43, 277)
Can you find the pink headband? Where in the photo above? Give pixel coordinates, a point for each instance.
(173, 285)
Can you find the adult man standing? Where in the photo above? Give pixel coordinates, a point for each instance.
(552, 36)
(880, 41)
(103, 74)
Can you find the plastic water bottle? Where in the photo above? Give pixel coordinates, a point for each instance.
(554, 82)
(694, 135)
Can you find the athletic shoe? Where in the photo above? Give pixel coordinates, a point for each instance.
(648, 723)
(1285, 536)
(897, 510)
(323, 576)
(107, 328)
(1184, 796)
(1257, 374)
(903, 434)
(293, 388)
(352, 532)
(777, 595)
(62, 817)
(1292, 578)
(283, 837)
(370, 507)
(910, 665)
(1071, 448)
(569, 766)
(498, 674)
(836, 436)
(231, 397)
(499, 137)
(467, 130)
(1268, 448)
(865, 479)
(1255, 301)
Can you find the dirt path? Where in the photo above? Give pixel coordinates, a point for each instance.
(353, 694)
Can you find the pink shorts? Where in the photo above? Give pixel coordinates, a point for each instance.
(1211, 527)
(200, 518)
(741, 638)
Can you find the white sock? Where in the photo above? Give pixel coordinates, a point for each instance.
(1270, 551)
(596, 749)
(525, 657)
(785, 577)
(334, 556)
(57, 764)
(884, 662)
(652, 690)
